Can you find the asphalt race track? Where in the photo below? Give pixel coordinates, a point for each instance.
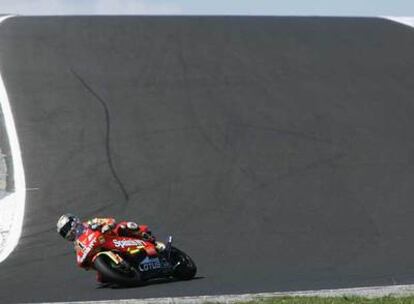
(278, 151)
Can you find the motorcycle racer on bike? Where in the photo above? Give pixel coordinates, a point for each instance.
(70, 227)
(123, 253)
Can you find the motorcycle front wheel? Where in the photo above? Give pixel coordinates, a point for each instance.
(184, 267)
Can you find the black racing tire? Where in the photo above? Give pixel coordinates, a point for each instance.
(186, 269)
(122, 277)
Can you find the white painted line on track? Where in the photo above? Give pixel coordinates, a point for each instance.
(404, 20)
(12, 206)
(368, 292)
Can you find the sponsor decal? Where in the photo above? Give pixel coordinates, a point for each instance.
(150, 264)
(126, 243)
(86, 251)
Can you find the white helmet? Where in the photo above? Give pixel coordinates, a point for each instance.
(66, 226)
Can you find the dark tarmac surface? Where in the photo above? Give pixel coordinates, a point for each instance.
(278, 151)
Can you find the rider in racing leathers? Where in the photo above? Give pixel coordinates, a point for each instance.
(71, 228)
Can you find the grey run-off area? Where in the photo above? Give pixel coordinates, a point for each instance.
(277, 151)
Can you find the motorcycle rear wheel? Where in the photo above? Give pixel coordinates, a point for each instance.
(115, 274)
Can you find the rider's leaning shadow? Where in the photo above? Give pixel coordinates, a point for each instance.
(148, 283)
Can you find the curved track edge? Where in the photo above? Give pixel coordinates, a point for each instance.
(12, 206)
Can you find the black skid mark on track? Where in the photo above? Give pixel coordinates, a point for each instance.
(107, 133)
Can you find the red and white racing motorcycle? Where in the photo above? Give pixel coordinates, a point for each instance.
(129, 261)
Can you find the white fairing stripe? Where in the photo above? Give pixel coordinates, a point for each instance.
(12, 206)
